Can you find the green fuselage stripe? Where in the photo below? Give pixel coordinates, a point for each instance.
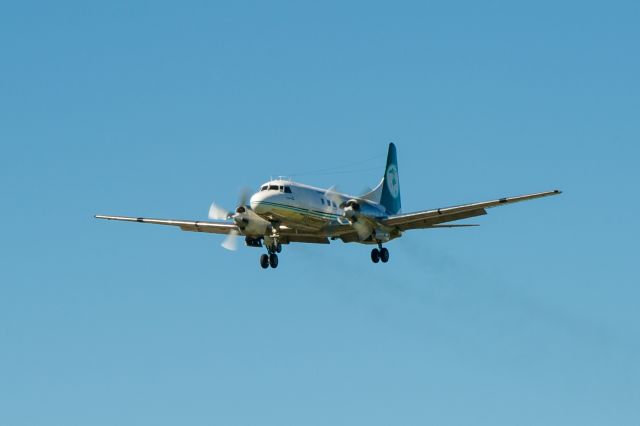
(322, 215)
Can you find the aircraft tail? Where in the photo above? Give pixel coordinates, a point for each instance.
(387, 192)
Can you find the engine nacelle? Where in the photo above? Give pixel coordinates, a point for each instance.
(352, 209)
(249, 222)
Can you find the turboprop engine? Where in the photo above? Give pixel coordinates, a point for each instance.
(247, 221)
(353, 210)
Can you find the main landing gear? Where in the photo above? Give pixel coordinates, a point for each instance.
(380, 254)
(271, 259)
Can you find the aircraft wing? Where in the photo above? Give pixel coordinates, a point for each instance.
(185, 225)
(287, 235)
(431, 218)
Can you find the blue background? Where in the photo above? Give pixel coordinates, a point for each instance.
(158, 108)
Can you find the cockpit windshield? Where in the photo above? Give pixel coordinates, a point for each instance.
(279, 188)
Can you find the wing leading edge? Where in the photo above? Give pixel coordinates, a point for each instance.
(185, 225)
(430, 218)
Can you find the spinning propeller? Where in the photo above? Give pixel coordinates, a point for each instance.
(351, 212)
(217, 212)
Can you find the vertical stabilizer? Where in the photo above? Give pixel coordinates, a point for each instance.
(390, 197)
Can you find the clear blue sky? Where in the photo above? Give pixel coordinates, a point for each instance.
(158, 108)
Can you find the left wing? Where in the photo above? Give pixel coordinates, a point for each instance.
(185, 225)
(430, 218)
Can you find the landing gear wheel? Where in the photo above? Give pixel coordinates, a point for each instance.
(278, 248)
(384, 255)
(375, 255)
(264, 261)
(273, 260)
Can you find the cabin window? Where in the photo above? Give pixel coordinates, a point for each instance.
(287, 190)
(264, 188)
(334, 205)
(322, 200)
(273, 187)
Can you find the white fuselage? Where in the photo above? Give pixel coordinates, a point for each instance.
(291, 202)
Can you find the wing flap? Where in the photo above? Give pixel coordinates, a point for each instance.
(304, 239)
(431, 221)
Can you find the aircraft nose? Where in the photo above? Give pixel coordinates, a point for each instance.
(261, 202)
(256, 201)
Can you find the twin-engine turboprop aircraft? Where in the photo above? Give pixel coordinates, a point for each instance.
(284, 212)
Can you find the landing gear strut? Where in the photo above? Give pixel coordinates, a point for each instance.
(381, 254)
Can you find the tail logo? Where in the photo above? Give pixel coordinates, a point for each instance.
(392, 180)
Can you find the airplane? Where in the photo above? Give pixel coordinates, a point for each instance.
(283, 212)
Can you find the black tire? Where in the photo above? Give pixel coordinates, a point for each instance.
(264, 261)
(375, 255)
(273, 260)
(384, 255)
(278, 248)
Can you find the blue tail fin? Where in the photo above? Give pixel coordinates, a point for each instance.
(390, 198)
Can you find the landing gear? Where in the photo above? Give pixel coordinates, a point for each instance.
(384, 255)
(381, 254)
(267, 260)
(270, 259)
(264, 261)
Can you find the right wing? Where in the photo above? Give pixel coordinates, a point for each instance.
(287, 235)
(185, 225)
(431, 218)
